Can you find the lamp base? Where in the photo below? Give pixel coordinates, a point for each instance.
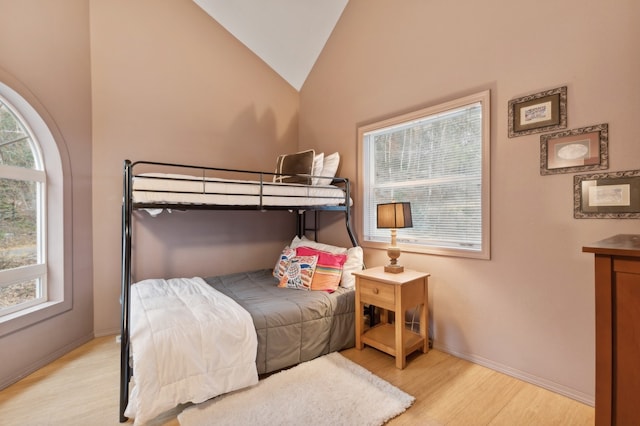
(394, 253)
(394, 269)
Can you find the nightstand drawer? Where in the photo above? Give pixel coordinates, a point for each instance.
(377, 293)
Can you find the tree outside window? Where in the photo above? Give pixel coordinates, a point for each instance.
(22, 268)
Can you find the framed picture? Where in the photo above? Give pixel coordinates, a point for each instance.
(540, 112)
(607, 195)
(576, 150)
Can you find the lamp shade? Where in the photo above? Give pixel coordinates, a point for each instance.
(394, 215)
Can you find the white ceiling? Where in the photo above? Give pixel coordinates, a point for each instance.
(287, 34)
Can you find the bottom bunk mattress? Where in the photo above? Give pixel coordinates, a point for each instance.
(292, 325)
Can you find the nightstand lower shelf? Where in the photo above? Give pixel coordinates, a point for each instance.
(383, 337)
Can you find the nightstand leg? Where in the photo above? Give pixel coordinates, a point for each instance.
(424, 318)
(401, 358)
(424, 327)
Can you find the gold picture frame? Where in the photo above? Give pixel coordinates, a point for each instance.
(540, 112)
(575, 150)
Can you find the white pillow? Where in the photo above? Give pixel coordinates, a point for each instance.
(316, 170)
(304, 241)
(354, 263)
(329, 168)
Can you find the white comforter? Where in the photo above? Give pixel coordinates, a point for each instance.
(189, 343)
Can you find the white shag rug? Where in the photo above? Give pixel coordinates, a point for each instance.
(330, 390)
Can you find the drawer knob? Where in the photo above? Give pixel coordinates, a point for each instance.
(375, 291)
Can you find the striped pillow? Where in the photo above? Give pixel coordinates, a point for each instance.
(328, 269)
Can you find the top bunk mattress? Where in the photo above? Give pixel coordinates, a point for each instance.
(166, 188)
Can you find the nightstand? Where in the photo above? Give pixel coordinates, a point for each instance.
(397, 293)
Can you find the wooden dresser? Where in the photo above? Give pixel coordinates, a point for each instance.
(617, 287)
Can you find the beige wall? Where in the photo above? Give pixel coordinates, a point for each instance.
(170, 84)
(529, 311)
(44, 56)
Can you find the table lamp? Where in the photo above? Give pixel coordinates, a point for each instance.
(394, 216)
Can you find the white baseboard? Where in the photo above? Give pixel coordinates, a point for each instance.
(18, 375)
(529, 378)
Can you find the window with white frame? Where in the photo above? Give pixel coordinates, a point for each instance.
(437, 159)
(23, 269)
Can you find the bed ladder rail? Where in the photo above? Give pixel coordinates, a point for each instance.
(125, 367)
(302, 226)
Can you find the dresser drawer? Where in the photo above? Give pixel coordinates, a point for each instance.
(376, 293)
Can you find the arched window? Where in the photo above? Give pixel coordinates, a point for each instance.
(23, 269)
(32, 237)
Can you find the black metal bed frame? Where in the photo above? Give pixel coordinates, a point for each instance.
(128, 207)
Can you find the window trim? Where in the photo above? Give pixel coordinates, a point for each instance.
(484, 97)
(57, 199)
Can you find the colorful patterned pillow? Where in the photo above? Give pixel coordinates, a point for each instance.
(283, 261)
(299, 272)
(328, 269)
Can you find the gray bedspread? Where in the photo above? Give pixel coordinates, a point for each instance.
(293, 326)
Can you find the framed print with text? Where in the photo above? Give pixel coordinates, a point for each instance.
(540, 112)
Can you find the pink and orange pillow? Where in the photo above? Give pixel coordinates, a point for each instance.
(328, 268)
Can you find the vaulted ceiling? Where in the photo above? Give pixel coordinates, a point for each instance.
(287, 34)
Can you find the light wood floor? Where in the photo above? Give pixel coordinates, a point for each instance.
(82, 389)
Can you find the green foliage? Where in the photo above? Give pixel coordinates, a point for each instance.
(18, 198)
(15, 143)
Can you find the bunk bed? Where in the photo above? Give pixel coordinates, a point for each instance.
(156, 186)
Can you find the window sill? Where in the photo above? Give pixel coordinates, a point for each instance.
(424, 249)
(29, 316)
